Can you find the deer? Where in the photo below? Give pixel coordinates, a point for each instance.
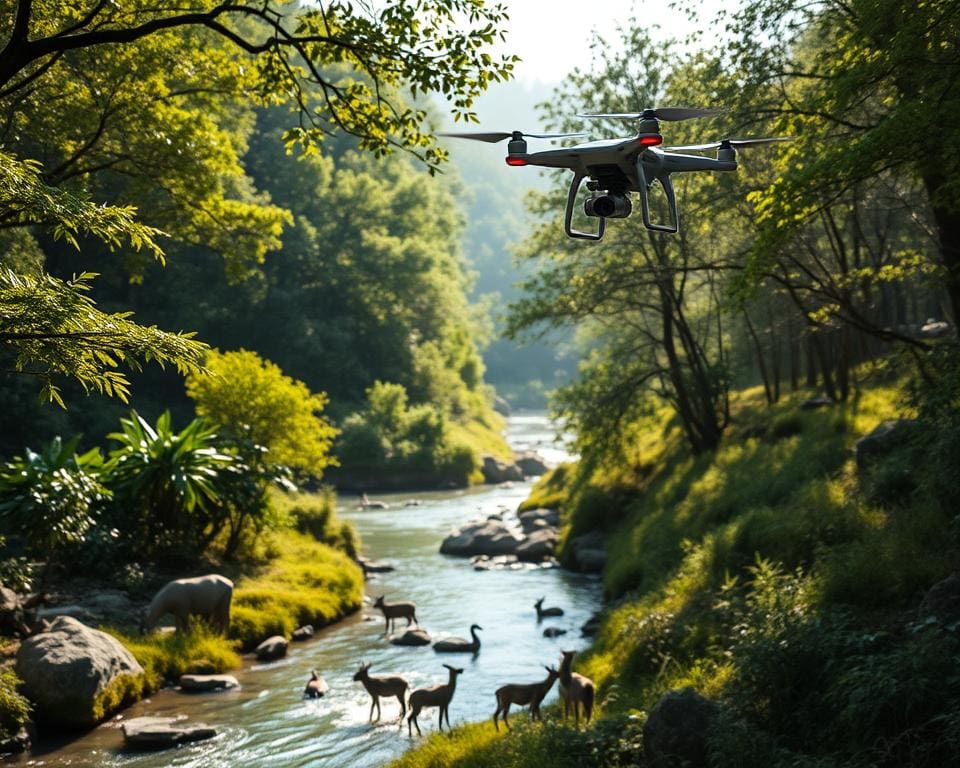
(435, 696)
(523, 694)
(543, 613)
(575, 690)
(382, 685)
(394, 611)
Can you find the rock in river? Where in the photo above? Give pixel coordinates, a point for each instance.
(483, 537)
(163, 732)
(272, 648)
(412, 637)
(75, 675)
(207, 683)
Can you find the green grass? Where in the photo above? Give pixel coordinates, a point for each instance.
(303, 582)
(769, 575)
(167, 655)
(14, 708)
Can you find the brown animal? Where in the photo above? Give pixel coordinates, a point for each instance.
(205, 596)
(436, 696)
(575, 689)
(523, 694)
(543, 613)
(394, 611)
(382, 685)
(316, 686)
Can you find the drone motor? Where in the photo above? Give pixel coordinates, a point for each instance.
(608, 205)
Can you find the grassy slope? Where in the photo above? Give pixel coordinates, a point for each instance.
(758, 575)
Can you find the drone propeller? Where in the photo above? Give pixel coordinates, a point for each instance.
(663, 113)
(727, 144)
(493, 138)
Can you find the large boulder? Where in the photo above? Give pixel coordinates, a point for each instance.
(942, 600)
(590, 552)
(538, 546)
(534, 519)
(74, 675)
(12, 617)
(676, 731)
(882, 440)
(483, 537)
(272, 648)
(496, 471)
(531, 463)
(163, 732)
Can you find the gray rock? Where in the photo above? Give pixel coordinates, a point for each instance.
(12, 616)
(496, 471)
(590, 552)
(935, 329)
(66, 669)
(676, 731)
(302, 633)
(942, 600)
(414, 636)
(485, 537)
(207, 683)
(272, 648)
(554, 632)
(163, 732)
(883, 439)
(374, 566)
(532, 519)
(19, 742)
(539, 545)
(531, 463)
(496, 563)
(501, 406)
(591, 626)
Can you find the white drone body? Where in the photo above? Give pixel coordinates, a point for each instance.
(616, 167)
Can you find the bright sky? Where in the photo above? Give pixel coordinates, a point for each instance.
(553, 36)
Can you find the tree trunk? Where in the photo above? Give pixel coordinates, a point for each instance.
(947, 219)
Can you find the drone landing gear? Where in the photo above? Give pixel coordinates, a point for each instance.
(667, 184)
(568, 218)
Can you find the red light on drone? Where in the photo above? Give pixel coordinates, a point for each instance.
(651, 141)
(517, 161)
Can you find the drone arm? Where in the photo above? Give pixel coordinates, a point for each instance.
(667, 184)
(568, 217)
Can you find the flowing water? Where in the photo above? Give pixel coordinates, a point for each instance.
(268, 723)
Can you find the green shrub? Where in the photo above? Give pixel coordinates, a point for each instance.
(166, 655)
(315, 514)
(14, 707)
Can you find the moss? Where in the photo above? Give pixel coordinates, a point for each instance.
(120, 692)
(14, 707)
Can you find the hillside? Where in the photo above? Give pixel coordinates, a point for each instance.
(774, 577)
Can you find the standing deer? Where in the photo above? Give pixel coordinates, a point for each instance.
(436, 696)
(382, 685)
(523, 694)
(575, 689)
(394, 611)
(543, 613)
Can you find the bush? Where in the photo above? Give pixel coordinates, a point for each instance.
(14, 707)
(315, 514)
(166, 656)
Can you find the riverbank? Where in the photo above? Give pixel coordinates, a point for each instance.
(801, 593)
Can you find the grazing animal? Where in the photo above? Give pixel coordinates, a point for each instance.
(575, 690)
(523, 694)
(382, 685)
(205, 596)
(394, 611)
(543, 613)
(436, 696)
(316, 686)
(458, 644)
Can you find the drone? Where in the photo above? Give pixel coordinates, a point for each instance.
(616, 167)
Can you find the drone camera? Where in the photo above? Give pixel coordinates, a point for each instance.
(608, 206)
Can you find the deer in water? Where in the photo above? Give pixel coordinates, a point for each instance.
(575, 690)
(394, 611)
(435, 696)
(523, 694)
(543, 613)
(382, 685)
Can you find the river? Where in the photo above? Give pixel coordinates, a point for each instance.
(268, 723)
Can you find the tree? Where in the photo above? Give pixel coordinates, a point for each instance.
(251, 400)
(867, 89)
(147, 124)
